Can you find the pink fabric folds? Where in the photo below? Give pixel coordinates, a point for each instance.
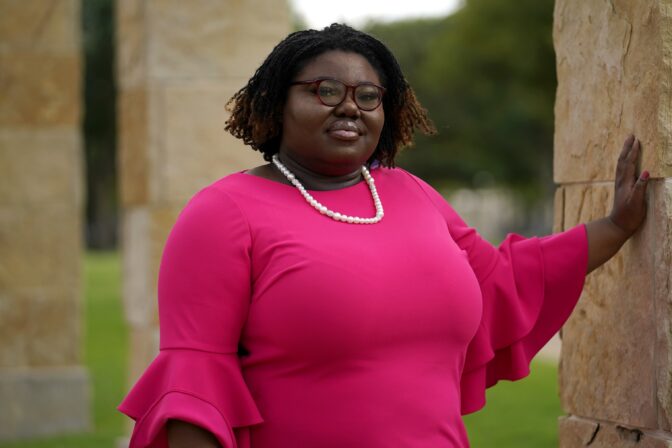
(529, 286)
(544, 278)
(206, 389)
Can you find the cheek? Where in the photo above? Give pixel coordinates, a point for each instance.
(299, 118)
(376, 124)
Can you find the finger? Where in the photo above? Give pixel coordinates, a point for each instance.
(631, 156)
(629, 169)
(627, 146)
(639, 191)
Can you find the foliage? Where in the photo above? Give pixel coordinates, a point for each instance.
(487, 76)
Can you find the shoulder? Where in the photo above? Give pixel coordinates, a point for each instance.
(401, 178)
(213, 207)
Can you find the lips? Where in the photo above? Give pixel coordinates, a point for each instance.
(344, 130)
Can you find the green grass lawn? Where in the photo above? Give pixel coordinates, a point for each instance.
(521, 414)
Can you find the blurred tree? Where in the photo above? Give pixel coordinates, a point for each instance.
(487, 76)
(99, 125)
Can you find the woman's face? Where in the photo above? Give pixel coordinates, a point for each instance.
(328, 140)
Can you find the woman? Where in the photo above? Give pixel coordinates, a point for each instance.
(312, 302)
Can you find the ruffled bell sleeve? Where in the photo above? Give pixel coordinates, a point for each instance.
(529, 288)
(204, 294)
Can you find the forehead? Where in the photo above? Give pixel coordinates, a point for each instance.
(349, 67)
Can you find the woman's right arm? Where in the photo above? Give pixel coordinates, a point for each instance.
(204, 292)
(185, 435)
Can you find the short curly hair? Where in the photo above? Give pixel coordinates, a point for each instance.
(256, 109)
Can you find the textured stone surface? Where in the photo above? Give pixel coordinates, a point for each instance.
(41, 402)
(42, 390)
(145, 343)
(41, 246)
(212, 39)
(613, 68)
(608, 353)
(39, 89)
(40, 167)
(661, 214)
(195, 150)
(133, 146)
(559, 210)
(131, 45)
(40, 327)
(139, 302)
(145, 230)
(577, 432)
(45, 25)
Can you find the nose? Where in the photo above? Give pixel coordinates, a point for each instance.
(348, 107)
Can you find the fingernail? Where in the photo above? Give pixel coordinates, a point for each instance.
(644, 175)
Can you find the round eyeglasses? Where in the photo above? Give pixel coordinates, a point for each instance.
(332, 92)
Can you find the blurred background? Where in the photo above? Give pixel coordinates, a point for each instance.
(485, 70)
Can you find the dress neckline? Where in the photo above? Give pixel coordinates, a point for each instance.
(264, 180)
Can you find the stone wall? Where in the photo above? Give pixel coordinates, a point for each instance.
(178, 63)
(41, 220)
(614, 63)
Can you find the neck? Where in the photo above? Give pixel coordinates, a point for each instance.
(312, 180)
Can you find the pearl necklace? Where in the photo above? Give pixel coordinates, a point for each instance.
(324, 210)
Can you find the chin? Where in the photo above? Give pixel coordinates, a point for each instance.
(349, 156)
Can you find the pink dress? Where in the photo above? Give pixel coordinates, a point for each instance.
(283, 328)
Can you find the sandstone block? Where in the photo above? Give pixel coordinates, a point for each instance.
(145, 343)
(145, 230)
(609, 350)
(575, 432)
(661, 216)
(131, 44)
(42, 402)
(40, 327)
(13, 341)
(133, 146)
(45, 26)
(40, 167)
(54, 329)
(622, 51)
(40, 246)
(138, 283)
(195, 150)
(559, 210)
(162, 221)
(212, 38)
(40, 90)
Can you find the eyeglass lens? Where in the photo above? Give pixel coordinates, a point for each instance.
(332, 93)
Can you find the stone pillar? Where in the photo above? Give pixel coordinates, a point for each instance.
(178, 63)
(614, 63)
(43, 387)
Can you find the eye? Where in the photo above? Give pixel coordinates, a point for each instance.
(327, 91)
(368, 94)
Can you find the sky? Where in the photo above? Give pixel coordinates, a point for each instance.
(319, 14)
